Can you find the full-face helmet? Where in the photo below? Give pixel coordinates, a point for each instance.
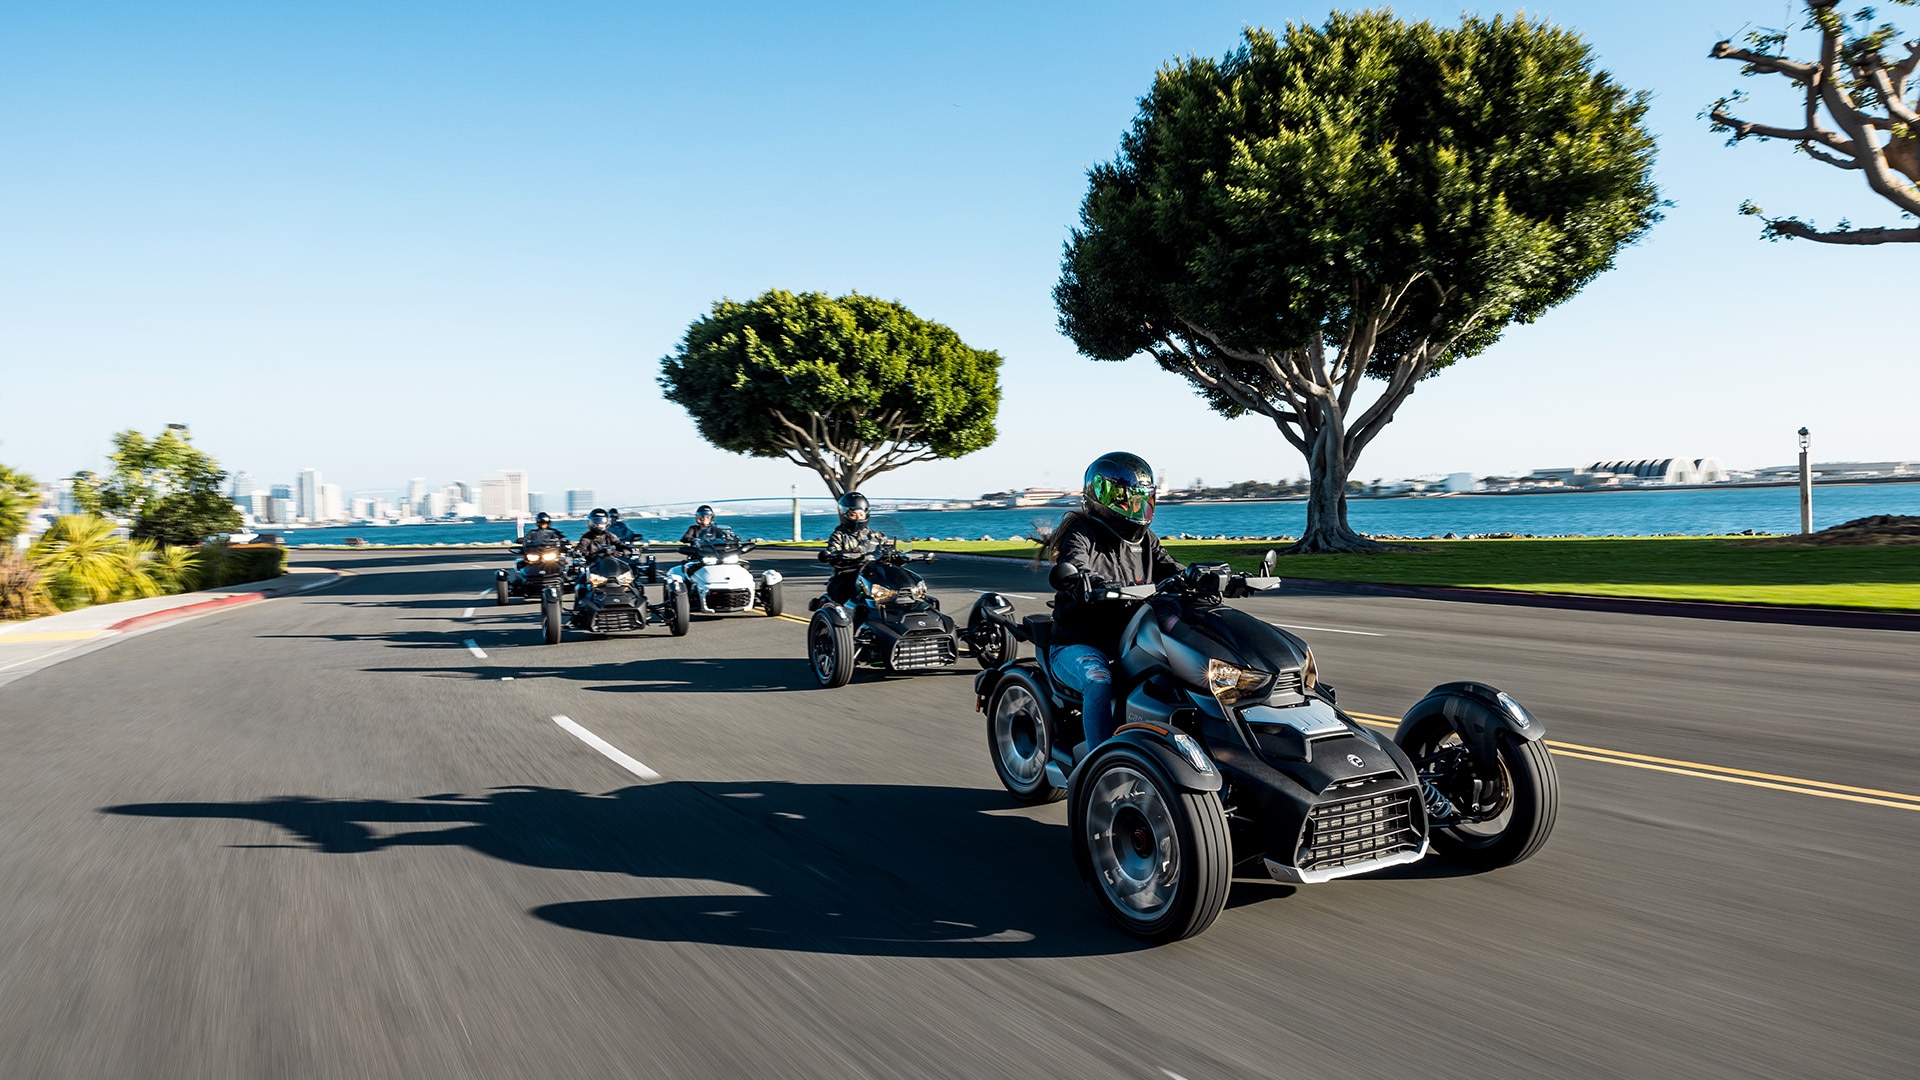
(1119, 492)
(613, 513)
(542, 519)
(704, 515)
(853, 510)
(597, 521)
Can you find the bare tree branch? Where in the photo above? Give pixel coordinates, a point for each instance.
(1800, 229)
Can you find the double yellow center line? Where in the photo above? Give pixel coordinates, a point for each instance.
(1771, 781)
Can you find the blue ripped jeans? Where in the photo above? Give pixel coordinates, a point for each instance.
(1087, 669)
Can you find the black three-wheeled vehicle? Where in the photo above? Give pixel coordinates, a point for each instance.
(1231, 755)
(892, 622)
(609, 597)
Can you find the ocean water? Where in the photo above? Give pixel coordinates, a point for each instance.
(1612, 513)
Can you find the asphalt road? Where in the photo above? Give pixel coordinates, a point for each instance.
(322, 837)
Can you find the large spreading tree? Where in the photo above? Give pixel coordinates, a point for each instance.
(1365, 200)
(169, 487)
(847, 386)
(1857, 112)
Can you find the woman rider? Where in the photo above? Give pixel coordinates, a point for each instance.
(1106, 543)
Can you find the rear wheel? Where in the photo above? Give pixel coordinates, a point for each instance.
(1021, 742)
(1159, 857)
(681, 613)
(830, 651)
(500, 591)
(772, 600)
(550, 616)
(1508, 815)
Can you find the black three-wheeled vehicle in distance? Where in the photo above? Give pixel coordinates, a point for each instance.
(891, 622)
(1231, 755)
(610, 597)
(541, 565)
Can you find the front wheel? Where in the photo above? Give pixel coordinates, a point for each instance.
(681, 616)
(1159, 858)
(500, 591)
(1506, 817)
(773, 601)
(1021, 741)
(830, 652)
(550, 618)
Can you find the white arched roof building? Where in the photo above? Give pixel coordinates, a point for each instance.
(1670, 470)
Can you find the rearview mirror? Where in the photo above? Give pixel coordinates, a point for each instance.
(1266, 564)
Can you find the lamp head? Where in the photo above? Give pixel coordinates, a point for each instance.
(1804, 441)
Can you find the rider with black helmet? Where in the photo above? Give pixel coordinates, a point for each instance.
(621, 530)
(543, 531)
(848, 545)
(1107, 542)
(597, 540)
(702, 519)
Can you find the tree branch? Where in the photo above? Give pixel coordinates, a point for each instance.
(1793, 227)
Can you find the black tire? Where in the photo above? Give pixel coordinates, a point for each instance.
(680, 616)
(1530, 788)
(500, 592)
(830, 652)
(550, 617)
(994, 646)
(1129, 825)
(773, 600)
(1020, 740)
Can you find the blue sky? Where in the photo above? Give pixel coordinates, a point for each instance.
(391, 240)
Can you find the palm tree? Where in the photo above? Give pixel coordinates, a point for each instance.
(138, 580)
(81, 558)
(176, 568)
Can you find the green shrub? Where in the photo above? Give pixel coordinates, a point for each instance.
(221, 563)
(23, 594)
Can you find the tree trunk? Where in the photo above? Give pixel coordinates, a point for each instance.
(1327, 531)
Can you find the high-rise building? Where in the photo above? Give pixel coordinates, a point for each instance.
(331, 506)
(458, 492)
(435, 505)
(309, 496)
(242, 487)
(362, 507)
(281, 504)
(516, 492)
(579, 502)
(416, 496)
(493, 499)
(536, 501)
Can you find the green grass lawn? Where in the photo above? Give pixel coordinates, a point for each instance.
(1663, 568)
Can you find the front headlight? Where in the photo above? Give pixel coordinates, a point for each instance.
(596, 579)
(912, 594)
(551, 556)
(730, 559)
(1309, 674)
(626, 578)
(708, 560)
(880, 593)
(1230, 684)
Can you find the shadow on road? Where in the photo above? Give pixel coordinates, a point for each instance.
(834, 868)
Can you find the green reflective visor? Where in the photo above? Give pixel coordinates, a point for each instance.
(1132, 503)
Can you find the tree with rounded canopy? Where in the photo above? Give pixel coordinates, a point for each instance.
(167, 485)
(1864, 81)
(1365, 200)
(850, 387)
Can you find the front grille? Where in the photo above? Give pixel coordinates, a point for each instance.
(1358, 830)
(729, 599)
(1288, 682)
(926, 650)
(615, 620)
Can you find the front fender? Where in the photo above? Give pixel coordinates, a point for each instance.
(834, 614)
(1196, 773)
(770, 577)
(992, 607)
(1479, 713)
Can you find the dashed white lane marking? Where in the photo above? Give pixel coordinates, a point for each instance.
(1015, 595)
(484, 593)
(476, 650)
(614, 753)
(1173, 1075)
(1327, 630)
(467, 614)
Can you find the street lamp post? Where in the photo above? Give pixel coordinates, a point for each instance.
(796, 513)
(1806, 487)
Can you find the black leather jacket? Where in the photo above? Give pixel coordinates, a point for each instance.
(593, 544)
(543, 536)
(1088, 545)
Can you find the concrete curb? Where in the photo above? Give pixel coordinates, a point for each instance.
(1844, 618)
(1847, 618)
(188, 611)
